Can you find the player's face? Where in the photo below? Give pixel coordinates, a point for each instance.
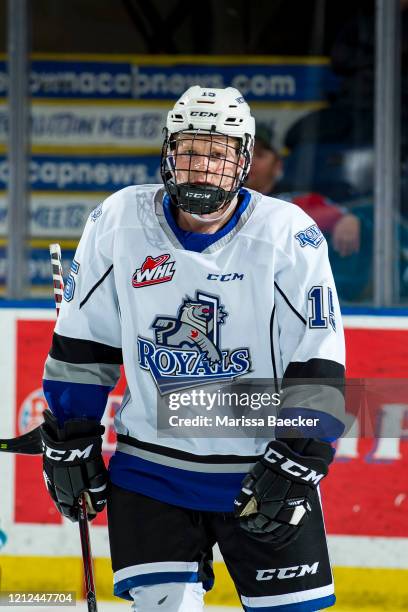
(208, 160)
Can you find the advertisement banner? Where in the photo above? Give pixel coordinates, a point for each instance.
(167, 77)
(39, 268)
(365, 494)
(55, 215)
(33, 343)
(110, 128)
(85, 173)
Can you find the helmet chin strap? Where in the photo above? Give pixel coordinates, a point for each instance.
(224, 214)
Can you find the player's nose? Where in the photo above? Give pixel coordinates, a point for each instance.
(199, 162)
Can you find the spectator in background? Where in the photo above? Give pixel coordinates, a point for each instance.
(348, 120)
(336, 222)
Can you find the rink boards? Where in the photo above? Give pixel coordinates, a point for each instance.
(365, 497)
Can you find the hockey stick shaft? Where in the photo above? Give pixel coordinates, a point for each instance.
(30, 443)
(58, 284)
(87, 556)
(57, 278)
(27, 444)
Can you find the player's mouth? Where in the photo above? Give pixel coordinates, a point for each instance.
(204, 183)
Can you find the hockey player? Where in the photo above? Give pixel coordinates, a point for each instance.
(192, 282)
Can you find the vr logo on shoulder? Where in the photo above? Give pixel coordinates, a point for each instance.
(311, 236)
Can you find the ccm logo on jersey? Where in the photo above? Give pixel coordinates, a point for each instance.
(282, 573)
(293, 468)
(154, 270)
(311, 236)
(226, 277)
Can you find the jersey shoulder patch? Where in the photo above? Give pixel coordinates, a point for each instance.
(311, 236)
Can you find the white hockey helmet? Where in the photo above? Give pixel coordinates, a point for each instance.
(208, 114)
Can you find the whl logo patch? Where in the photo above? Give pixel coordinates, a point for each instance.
(154, 270)
(187, 351)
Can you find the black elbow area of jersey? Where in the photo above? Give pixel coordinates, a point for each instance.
(77, 350)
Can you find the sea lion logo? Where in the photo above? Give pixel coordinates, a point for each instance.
(187, 349)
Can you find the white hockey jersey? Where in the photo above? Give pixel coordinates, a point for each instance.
(256, 300)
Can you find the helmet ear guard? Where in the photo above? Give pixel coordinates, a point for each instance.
(212, 117)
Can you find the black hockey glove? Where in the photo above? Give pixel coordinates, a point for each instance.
(276, 496)
(73, 464)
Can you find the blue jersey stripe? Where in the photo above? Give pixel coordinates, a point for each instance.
(327, 427)
(75, 400)
(121, 589)
(188, 489)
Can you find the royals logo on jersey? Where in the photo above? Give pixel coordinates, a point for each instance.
(187, 350)
(153, 271)
(311, 236)
(96, 213)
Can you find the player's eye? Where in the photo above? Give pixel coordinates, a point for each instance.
(217, 155)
